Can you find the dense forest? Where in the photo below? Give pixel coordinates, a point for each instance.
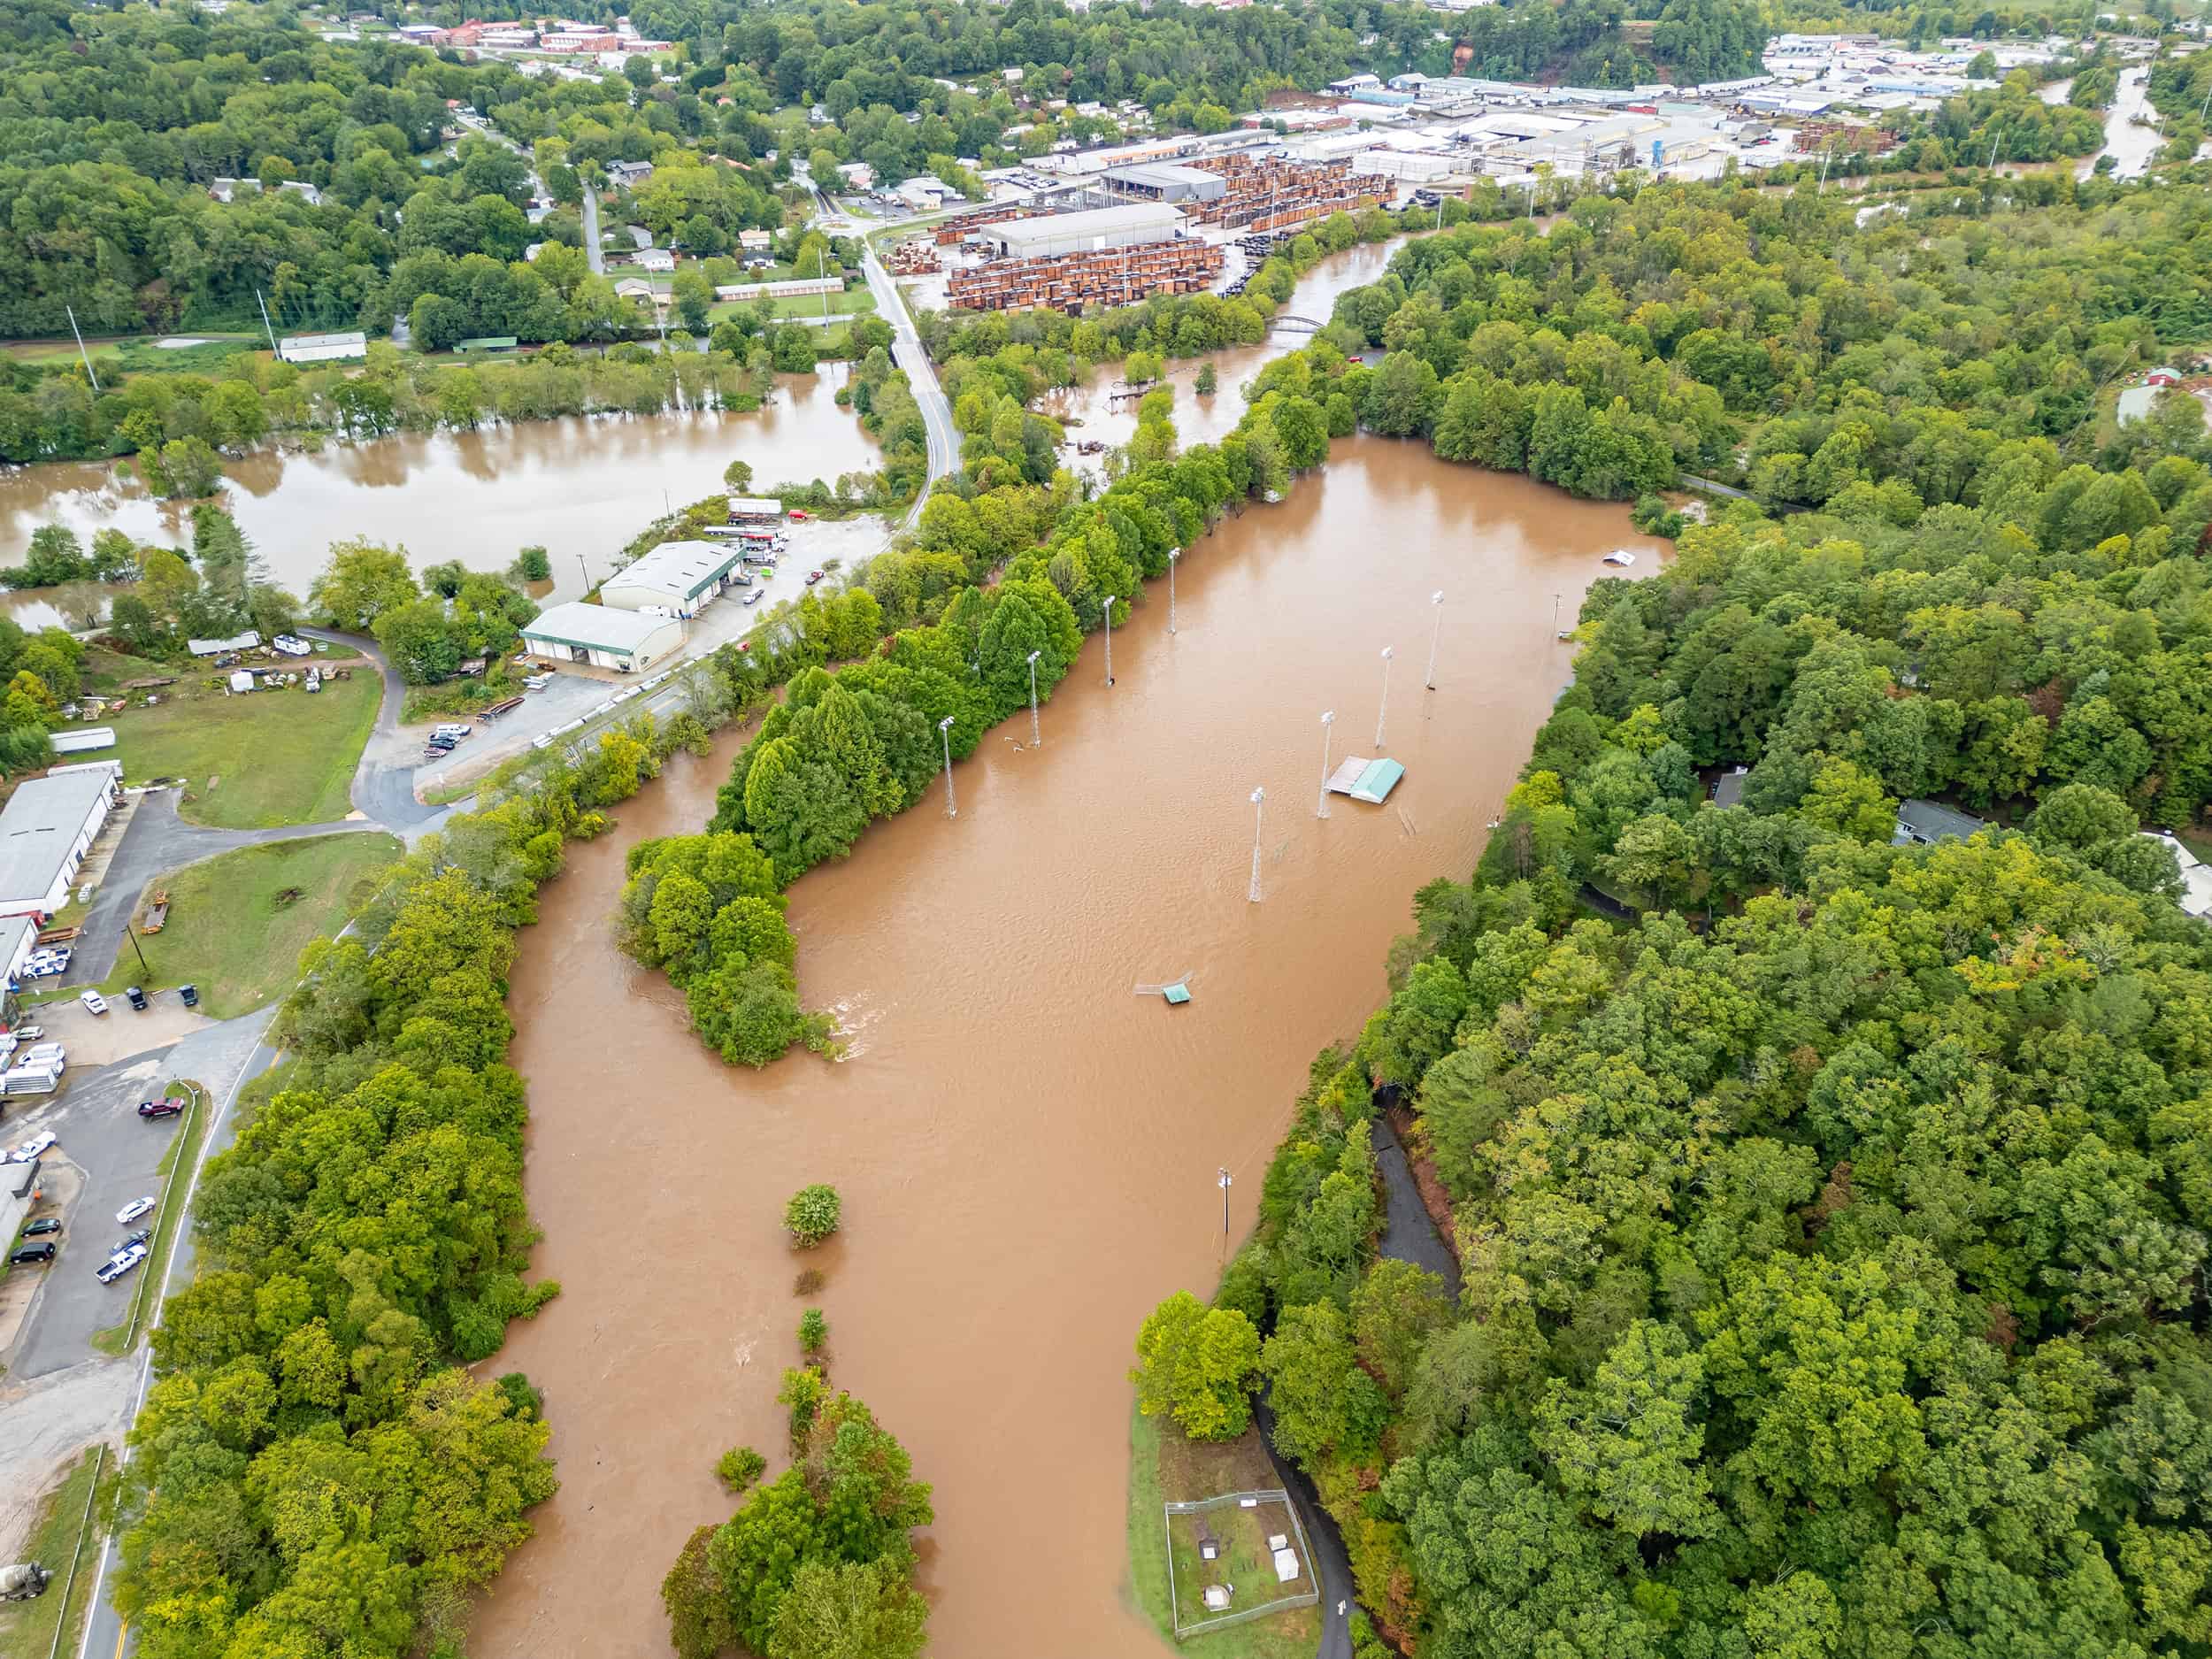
(1830, 1212)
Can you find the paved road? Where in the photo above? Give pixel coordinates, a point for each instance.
(156, 840)
(592, 251)
(921, 374)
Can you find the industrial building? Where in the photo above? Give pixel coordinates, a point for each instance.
(676, 578)
(625, 640)
(348, 348)
(1090, 232)
(48, 826)
(1166, 182)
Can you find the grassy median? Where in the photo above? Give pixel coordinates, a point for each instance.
(26, 1628)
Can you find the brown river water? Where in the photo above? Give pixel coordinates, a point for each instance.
(579, 488)
(1027, 1150)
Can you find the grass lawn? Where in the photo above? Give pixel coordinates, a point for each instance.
(252, 761)
(26, 1628)
(856, 302)
(1163, 1465)
(238, 923)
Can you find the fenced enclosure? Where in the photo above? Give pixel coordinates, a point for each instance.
(1239, 1557)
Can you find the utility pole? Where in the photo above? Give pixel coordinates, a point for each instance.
(1390, 651)
(1109, 639)
(81, 352)
(1436, 604)
(1328, 719)
(1259, 807)
(265, 327)
(584, 570)
(944, 730)
(1036, 737)
(821, 270)
(142, 967)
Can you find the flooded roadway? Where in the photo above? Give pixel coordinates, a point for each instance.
(1026, 1149)
(581, 488)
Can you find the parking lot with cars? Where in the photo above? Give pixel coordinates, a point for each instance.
(101, 1174)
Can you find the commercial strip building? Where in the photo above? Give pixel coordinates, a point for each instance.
(48, 826)
(675, 579)
(628, 642)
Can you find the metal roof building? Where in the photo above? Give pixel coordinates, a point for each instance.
(48, 826)
(324, 348)
(1167, 182)
(674, 579)
(1083, 232)
(625, 640)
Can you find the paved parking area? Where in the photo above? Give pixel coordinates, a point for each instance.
(115, 1155)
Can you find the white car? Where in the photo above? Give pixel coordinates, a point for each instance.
(32, 1147)
(92, 1000)
(121, 1263)
(131, 1211)
(1621, 556)
(28, 1033)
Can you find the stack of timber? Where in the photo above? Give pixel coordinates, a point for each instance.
(1068, 283)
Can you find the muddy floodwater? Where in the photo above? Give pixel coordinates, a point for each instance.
(1198, 419)
(1026, 1149)
(579, 488)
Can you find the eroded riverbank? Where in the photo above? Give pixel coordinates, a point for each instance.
(1027, 1150)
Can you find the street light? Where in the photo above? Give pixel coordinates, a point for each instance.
(1173, 554)
(1390, 651)
(1328, 719)
(1109, 639)
(944, 730)
(1436, 603)
(1036, 738)
(1259, 806)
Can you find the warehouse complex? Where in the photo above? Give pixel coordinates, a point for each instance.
(1092, 232)
(628, 642)
(675, 579)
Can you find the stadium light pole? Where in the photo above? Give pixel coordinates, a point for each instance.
(1228, 1181)
(1388, 652)
(1259, 807)
(1173, 554)
(1328, 719)
(1109, 639)
(1436, 604)
(1036, 738)
(944, 730)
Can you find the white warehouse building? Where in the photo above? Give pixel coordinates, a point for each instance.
(1083, 232)
(628, 642)
(674, 579)
(48, 826)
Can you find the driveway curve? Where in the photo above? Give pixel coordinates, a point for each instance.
(384, 782)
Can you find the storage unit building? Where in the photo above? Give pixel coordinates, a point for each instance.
(627, 640)
(1101, 228)
(45, 831)
(675, 579)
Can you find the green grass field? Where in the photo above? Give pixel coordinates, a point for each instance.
(238, 923)
(856, 302)
(252, 761)
(1162, 1465)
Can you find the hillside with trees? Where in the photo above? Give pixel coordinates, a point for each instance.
(1830, 1212)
